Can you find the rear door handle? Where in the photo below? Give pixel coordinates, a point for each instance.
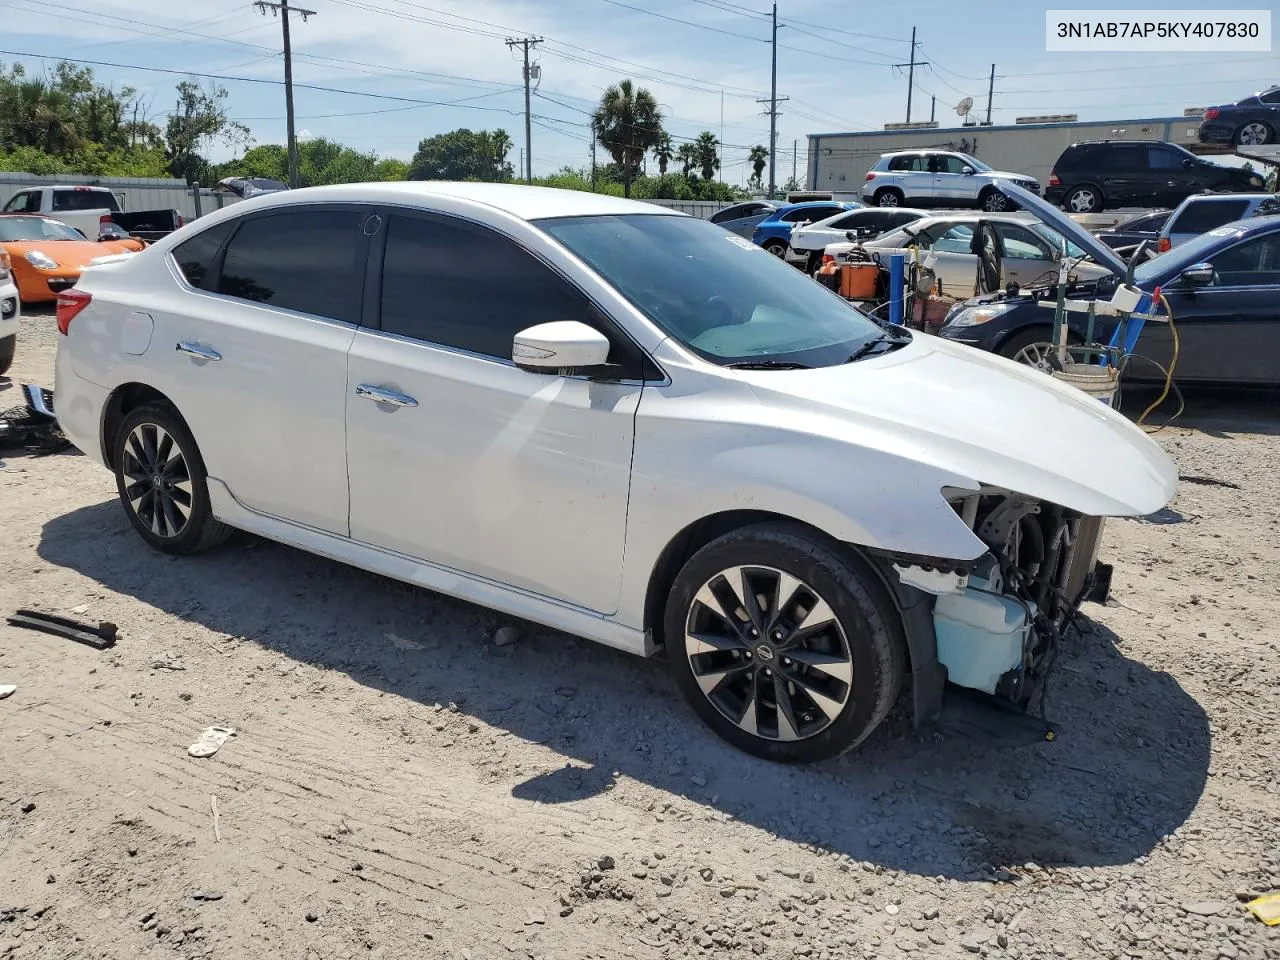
(383, 395)
(197, 351)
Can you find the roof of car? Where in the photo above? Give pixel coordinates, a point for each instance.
(525, 202)
(920, 150)
(1202, 197)
(975, 217)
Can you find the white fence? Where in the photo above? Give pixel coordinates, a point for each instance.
(155, 193)
(134, 193)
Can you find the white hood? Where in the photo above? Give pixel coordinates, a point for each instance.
(979, 416)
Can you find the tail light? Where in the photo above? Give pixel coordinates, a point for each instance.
(181, 222)
(70, 303)
(870, 176)
(1212, 113)
(1053, 179)
(1164, 245)
(827, 258)
(104, 220)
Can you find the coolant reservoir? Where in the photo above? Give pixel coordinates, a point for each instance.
(981, 635)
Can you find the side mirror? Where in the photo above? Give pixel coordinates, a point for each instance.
(850, 236)
(967, 171)
(1197, 275)
(1188, 164)
(561, 347)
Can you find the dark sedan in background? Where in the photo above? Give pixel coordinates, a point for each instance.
(1248, 122)
(1130, 233)
(1223, 288)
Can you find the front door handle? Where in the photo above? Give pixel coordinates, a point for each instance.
(197, 351)
(383, 395)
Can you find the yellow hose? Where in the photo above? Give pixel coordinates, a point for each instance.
(1173, 362)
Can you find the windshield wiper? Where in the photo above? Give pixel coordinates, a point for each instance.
(873, 344)
(768, 365)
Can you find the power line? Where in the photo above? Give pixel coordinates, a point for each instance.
(687, 23)
(732, 8)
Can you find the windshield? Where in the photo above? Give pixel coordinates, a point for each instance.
(719, 295)
(16, 229)
(1184, 255)
(1055, 240)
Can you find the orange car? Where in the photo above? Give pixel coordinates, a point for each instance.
(48, 255)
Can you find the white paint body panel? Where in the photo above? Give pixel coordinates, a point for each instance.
(9, 291)
(552, 498)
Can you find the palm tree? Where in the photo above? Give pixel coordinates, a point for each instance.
(688, 157)
(758, 157)
(706, 147)
(628, 124)
(663, 152)
(500, 143)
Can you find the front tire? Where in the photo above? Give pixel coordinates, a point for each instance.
(162, 483)
(8, 346)
(993, 201)
(1034, 348)
(784, 643)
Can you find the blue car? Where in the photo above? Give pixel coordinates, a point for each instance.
(774, 232)
(1223, 288)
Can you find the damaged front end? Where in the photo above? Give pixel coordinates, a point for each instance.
(999, 620)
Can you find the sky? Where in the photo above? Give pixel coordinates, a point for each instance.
(400, 70)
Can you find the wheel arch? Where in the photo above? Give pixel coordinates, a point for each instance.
(123, 400)
(912, 606)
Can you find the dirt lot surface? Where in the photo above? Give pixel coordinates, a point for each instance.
(400, 786)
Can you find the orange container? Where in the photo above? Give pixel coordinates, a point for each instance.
(858, 280)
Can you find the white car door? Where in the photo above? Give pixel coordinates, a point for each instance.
(955, 267)
(951, 185)
(256, 359)
(458, 457)
(1028, 258)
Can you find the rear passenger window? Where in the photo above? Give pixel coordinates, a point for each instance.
(70, 200)
(1205, 216)
(195, 256)
(462, 286)
(311, 261)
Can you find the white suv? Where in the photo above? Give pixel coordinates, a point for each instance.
(611, 419)
(938, 178)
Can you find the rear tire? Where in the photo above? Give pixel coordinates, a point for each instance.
(1085, 198)
(784, 643)
(8, 346)
(889, 197)
(777, 247)
(1254, 133)
(162, 483)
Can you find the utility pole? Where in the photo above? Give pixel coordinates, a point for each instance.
(525, 44)
(911, 70)
(795, 158)
(991, 89)
(773, 102)
(593, 161)
(933, 107)
(282, 10)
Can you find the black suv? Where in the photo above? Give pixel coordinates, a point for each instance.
(1097, 174)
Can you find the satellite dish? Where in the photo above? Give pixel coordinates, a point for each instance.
(964, 106)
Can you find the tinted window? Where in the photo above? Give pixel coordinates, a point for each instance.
(71, 200)
(1122, 159)
(1255, 262)
(1162, 159)
(462, 286)
(311, 261)
(1207, 214)
(810, 214)
(1271, 97)
(739, 212)
(195, 256)
(25, 202)
(1147, 224)
(858, 219)
(897, 219)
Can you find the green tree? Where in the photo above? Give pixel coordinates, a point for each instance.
(199, 120)
(663, 152)
(628, 124)
(687, 154)
(463, 155)
(706, 148)
(758, 158)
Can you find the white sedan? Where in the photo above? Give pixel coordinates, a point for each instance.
(1031, 250)
(809, 241)
(611, 419)
(10, 313)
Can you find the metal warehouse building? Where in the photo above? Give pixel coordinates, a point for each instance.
(839, 161)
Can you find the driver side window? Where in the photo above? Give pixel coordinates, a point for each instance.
(1253, 263)
(1020, 244)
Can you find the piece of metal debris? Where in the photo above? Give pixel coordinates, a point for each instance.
(100, 637)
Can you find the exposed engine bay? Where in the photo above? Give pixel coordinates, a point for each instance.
(1000, 620)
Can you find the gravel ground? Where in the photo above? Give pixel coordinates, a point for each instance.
(401, 786)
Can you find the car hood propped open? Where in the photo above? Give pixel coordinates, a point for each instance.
(1049, 214)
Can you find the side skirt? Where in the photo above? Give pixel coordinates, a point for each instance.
(485, 593)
